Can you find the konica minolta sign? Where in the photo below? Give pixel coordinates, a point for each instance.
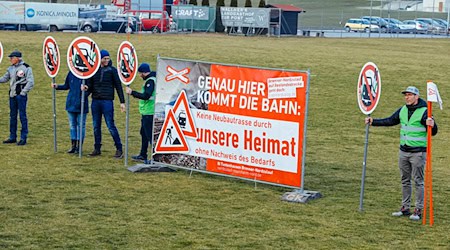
(44, 13)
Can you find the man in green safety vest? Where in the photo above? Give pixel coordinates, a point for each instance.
(414, 122)
(147, 109)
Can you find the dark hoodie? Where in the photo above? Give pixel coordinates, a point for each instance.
(102, 84)
(394, 119)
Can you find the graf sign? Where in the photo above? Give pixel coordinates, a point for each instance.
(1, 52)
(83, 57)
(369, 88)
(51, 56)
(127, 62)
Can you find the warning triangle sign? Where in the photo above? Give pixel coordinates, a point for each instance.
(183, 115)
(171, 138)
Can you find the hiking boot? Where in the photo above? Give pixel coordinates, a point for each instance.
(119, 154)
(96, 152)
(9, 140)
(74, 148)
(21, 143)
(139, 158)
(417, 215)
(403, 212)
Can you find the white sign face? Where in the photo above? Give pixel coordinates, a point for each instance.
(1, 52)
(51, 56)
(127, 62)
(368, 91)
(83, 57)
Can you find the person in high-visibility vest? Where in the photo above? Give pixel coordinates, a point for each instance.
(146, 109)
(413, 147)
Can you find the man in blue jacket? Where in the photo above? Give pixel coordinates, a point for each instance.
(21, 81)
(414, 121)
(101, 86)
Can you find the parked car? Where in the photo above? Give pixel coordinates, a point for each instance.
(384, 26)
(420, 27)
(84, 24)
(155, 21)
(401, 27)
(120, 24)
(434, 26)
(358, 24)
(442, 22)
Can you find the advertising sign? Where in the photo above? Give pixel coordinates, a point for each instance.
(368, 91)
(51, 56)
(233, 120)
(83, 57)
(127, 62)
(245, 17)
(56, 13)
(190, 12)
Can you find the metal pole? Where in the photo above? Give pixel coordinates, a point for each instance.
(55, 146)
(302, 186)
(448, 16)
(363, 178)
(81, 120)
(127, 121)
(370, 25)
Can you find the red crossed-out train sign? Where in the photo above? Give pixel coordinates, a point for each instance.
(51, 56)
(83, 57)
(369, 88)
(1, 52)
(127, 62)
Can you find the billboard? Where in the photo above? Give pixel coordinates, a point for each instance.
(231, 120)
(12, 12)
(245, 17)
(44, 13)
(190, 12)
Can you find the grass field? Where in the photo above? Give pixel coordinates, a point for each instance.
(55, 200)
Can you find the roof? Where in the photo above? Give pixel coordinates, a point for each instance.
(285, 7)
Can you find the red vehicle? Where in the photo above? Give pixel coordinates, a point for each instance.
(155, 21)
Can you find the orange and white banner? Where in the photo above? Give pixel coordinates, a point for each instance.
(234, 120)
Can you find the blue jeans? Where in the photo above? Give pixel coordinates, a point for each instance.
(105, 108)
(18, 104)
(74, 124)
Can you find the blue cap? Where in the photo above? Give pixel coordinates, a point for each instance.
(15, 53)
(412, 90)
(104, 53)
(144, 68)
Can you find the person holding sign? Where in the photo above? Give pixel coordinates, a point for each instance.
(73, 108)
(21, 81)
(413, 147)
(146, 108)
(101, 85)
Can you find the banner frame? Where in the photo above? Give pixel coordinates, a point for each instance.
(303, 165)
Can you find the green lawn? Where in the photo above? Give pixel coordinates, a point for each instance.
(55, 200)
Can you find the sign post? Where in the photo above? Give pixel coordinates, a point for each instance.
(83, 60)
(368, 94)
(127, 65)
(51, 57)
(432, 96)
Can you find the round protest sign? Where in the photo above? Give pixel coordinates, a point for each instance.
(83, 57)
(369, 88)
(1, 52)
(127, 62)
(51, 56)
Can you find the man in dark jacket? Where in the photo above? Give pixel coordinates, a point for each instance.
(414, 121)
(147, 109)
(101, 86)
(21, 81)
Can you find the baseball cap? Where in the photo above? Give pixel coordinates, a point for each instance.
(412, 90)
(15, 53)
